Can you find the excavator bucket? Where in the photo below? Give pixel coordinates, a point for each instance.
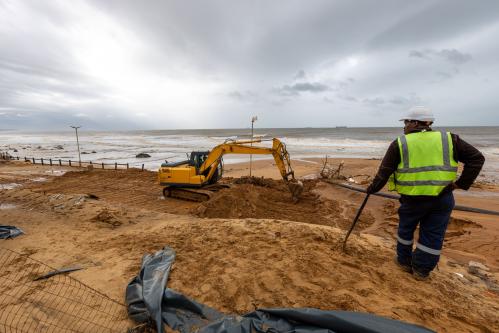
(296, 188)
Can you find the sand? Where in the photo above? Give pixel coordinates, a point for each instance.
(250, 246)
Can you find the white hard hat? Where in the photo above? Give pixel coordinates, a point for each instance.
(421, 113)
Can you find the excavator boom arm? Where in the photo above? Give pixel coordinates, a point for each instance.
(278, 151)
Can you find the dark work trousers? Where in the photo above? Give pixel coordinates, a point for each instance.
(432, 215)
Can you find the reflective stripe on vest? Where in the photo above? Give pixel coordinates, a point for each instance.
(426, 165)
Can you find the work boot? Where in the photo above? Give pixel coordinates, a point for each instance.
(404, 267)
(420, 276)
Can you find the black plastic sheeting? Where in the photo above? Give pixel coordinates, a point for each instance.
(148, 300)
(8, 231)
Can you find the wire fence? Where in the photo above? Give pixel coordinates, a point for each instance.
(54, 304)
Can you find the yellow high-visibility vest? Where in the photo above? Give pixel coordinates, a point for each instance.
(426, 165)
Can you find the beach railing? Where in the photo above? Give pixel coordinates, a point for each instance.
(71, 163)
(6, 156)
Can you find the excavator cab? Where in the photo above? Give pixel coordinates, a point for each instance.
(197, 158)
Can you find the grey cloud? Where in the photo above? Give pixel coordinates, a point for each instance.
(376, 101)
(447, 74)
(348, 98)
(300, 75)
(236, 95)
(344, 83)
(397, 100)
(452, 56)
(313, 87)
(444, 75)
(280, 102)
(418, 54)
(243, 96)
(309, 87)
(411, 100)
(301, 87)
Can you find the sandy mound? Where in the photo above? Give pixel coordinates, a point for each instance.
(270, 199)
(236, 265)
(248, 197)
(108, 218)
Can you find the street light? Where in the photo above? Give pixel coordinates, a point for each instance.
(253, 119)
(77, 143)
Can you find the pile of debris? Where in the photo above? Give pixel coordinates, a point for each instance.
(332, 172)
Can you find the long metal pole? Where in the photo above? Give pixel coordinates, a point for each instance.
(251, 144)
(355, 221)
(77, 144)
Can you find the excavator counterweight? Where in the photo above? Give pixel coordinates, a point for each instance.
(196, 178)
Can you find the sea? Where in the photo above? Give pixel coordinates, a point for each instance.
(174, 145)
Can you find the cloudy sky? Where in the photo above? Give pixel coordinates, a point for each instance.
(114, 64)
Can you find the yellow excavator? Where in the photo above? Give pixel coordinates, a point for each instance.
(196, 179)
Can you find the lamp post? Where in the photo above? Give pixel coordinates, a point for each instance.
(253, 119)
(77, 143)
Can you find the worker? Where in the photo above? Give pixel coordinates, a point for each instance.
(421, 166)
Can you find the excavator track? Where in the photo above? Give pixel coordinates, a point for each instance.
(188, 194)
(196, 195)
(216, 187)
